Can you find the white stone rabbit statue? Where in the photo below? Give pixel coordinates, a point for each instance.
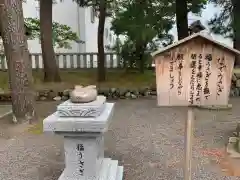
(82, 94)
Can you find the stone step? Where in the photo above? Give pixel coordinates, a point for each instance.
(119, 173)
(110, 170)
(104, 169)
(112, 173)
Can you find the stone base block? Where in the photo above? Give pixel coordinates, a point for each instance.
(109, 170)
(91, 109)
(53, 123)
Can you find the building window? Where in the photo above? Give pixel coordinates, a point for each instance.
(106, 33)
(92, 14)
(110, 37)
(37, 11)
(96, 13)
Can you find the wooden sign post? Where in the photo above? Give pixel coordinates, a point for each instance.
(192, 72)
(188, 146)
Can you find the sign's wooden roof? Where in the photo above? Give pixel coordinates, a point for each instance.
(193, 36)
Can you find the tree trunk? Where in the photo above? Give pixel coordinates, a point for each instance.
(182, 18)
(101, 54)
(51, 71)
(140, 56)
(236, 28)
(140, 52)
(19, 65)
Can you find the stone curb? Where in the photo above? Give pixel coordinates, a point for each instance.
(224, 107)
(110, 93)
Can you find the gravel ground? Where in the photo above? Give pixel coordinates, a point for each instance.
(147, 140)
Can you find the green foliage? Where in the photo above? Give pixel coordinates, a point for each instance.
(221, 23)
(63, 34)
(149, 16)
(94, 3)
(127, 53)
(143, 21)
(110, 5)
(146, 25)
(196, 6)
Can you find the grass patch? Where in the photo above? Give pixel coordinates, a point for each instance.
(36, 129)
(236, 70)
(114, 78)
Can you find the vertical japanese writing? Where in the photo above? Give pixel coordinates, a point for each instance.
(199, 77)
(192, 79)
(221, 66)
(206, 89)
(80, 151)
(180, 67)
(171, 76)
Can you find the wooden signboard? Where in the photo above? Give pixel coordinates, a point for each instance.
(195, 71)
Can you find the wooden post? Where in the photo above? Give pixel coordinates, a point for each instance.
(188, 144)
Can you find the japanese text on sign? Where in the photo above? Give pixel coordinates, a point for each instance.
(80, 150)
(221, 66)
(180, 67)
(171, 76)
(199, 78)
(206, 90)
(192, 79)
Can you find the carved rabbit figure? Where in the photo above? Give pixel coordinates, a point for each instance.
(82, 94)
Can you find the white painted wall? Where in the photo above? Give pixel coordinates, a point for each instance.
(79, 19)
(92, 29)
(68, 13)
(30, 10)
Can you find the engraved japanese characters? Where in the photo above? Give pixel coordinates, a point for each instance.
(80, 151)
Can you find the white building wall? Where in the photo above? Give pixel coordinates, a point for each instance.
(65, 12)
(69, 13)
(92, 30)
(30, 10)
(79, 19)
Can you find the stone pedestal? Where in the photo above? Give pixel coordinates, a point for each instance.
(84, 141)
